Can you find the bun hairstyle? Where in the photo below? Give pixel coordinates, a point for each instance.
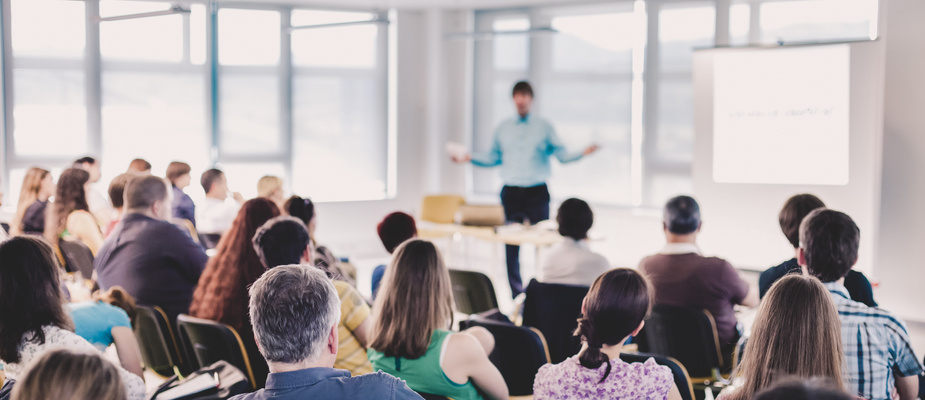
(300, 208)
(619, 300)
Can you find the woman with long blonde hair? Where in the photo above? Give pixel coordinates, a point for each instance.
(37, 187)
(796, 333)
(411, 337)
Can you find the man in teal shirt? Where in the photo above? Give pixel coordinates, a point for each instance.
(522, 146)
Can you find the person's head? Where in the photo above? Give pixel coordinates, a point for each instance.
(68, 374)
(800, 389)
(37, 185)
(302, 209)
(575, 219)
(796, 332)
(139, 166)
(613, 310)
(294, 310)
(523, 97)
(829, 243)
(117, 296)
(148, 195)
(70, 196)
(795, 209)
(117, 189)
(178, 174)
(681, 216)
(90, 165)
(415, 299)
(213, 183)
(271, 187)
(30, 295)
(282, 240)
(395, 229)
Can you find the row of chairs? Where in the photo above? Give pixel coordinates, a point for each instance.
(685, 340)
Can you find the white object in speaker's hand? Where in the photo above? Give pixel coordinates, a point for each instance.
(456, 150)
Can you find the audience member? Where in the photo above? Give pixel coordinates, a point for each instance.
(682, 277)
(796, 333)
(33, 320)
(139, 166)
(216, 214)
(412, 339)
(571, 261)
(152, 259)
(304, 210)
(795, 209)
(99, 207)
(393, 230)
(178, 173)
(878, 352)
(283, 241)
(70, 218)
(294, 310)
(271, 187)
(797, 389)
(117, 196)
(613, 311)
(222, 291)
(66, 374)
(107, 319)
(37, 188)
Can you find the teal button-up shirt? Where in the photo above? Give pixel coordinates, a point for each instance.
(522, 147)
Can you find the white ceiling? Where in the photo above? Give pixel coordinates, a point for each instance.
(414, 4)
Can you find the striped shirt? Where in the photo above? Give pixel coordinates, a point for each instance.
(351, 355)
(876, 346)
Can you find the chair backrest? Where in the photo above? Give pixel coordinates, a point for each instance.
(428, 396)
(554, 310)
(473, 292)
(77, 257)
(206, 342)
(187, 227)
(686, 334)
(209, 240)
(681, 377)
(519, 353)
(157, 341)
(440, 209)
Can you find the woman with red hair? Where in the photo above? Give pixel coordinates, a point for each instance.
(222, 291)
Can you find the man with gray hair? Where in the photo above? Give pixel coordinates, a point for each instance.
(295, 311)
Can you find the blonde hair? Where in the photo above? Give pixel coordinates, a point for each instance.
(31, 186)
(797, 333)
(415, 299)
(269, 184)
(66, 374)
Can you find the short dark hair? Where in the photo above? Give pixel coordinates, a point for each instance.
(795, 209)
(575, 219)
(85, 160)
(522, 87)
(682, 215)
(117, 188)
(144, 191)
(175, 170)
(281, 241)
(209, 177)
(300, 208)
(395, 229)
(830, 241)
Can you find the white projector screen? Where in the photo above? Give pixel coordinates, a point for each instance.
(781, 117)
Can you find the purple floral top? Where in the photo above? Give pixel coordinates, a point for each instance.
(568, 380)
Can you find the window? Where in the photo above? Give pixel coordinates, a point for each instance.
(818, 20)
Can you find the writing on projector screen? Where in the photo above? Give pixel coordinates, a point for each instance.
(780, 116)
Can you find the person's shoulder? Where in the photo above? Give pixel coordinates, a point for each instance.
(385, 386)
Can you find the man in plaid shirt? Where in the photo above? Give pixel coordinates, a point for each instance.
(878, 352)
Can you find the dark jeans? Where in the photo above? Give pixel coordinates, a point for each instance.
(522, 204)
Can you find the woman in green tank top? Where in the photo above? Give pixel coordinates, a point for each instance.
(411, 340)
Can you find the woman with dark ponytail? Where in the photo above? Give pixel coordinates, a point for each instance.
(613, 310)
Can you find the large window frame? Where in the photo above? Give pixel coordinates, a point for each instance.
(92, 66)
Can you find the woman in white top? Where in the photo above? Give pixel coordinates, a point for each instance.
(33, 320)
(571, 262)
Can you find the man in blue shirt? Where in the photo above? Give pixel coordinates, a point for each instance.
(522, 146)
(295, 310)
